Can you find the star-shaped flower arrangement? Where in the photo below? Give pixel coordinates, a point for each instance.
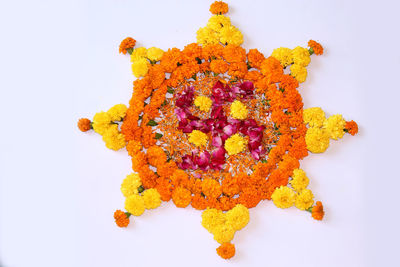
(219, 128)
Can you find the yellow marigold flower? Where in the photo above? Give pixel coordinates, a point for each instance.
(154, 53)
(134, 204)
(299, 180)
(224, 233)
(207, 36)
(301, 56)
(335, 126)
(284, 55)
(283, 197)
(317, 139)
(198, 138)
(117, 112)
(203, 103)
(314, 117)
(140, 67)
(231, 35)
(217, 22)
(238, 217)
(152, 199)
(299, 72)
(130, 184)
(101, 122)
(239, 110)
(304, 199)
(138, 53)
(235, 144)
(211, 218)
(113, 138)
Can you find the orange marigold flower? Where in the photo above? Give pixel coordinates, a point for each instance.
(351, 127)
(226, 250)
(234, 53)
(238, 69)
(181, 197)
(272, 69)
(199, 202)
(121, 218)
(211, 188)
(212, 50)
(219, 7)
(316, 47)
(127, 43)
(255, 58)
(318, 211)
(219, 66)
(180, 178)
(156, 156)
(84, 124)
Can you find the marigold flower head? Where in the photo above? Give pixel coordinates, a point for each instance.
(101, 122)
(219, 7)
(152, 198)
(84, 124)
(203, 103)
(304, 199)
(219, 66)
(121, 219)
(284, 55)
(117, 112)
(198, 138)
(127, 43)
(299, 180)
(154, 53)
(335, 126)
(211, 188)
(314, 117)
(113, 138)
(231, 35)
(316, 47)
(130, 184)
(140, 67)
(283, 197)
(217, 22)
(351, 127)
(301, 56)
(226, 250)
(224, 233)
(317, 211)
(211, 218)
(235, 144)
(299, 72)
(317, 140)
(207, 36)
(138, 53)
(239, 110)
(181, 197)
(134, 204)
(238, 217)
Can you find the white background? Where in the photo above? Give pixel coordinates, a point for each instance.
(59, 187)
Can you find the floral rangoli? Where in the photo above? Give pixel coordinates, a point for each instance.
(218, 128)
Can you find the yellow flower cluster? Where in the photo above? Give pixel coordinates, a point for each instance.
(104, 124)
(131, 184)
(224, 225)
(239, 110)
(299, 180)
(283, 197)
(321, 129)
(235, 144)
(136, 204)
(140, 59)
(203, 103)
(335, 126)
(298, 58)
(219, 30)
(198, 138)
(314, 117)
